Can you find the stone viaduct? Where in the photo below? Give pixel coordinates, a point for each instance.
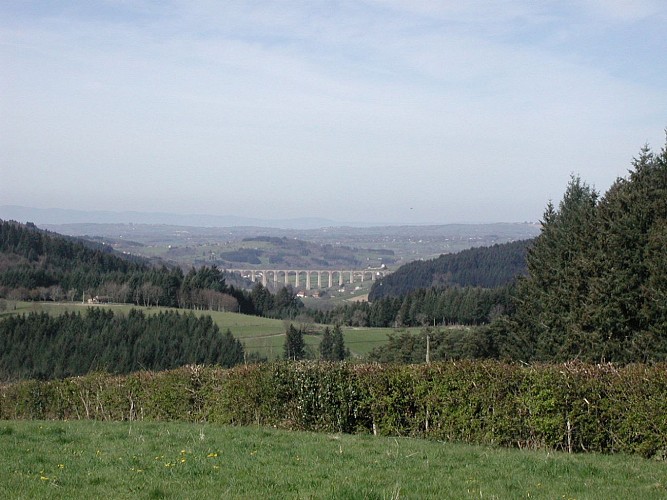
(294, 277)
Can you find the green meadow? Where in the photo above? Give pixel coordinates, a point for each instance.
(92, 459)
(261, 335)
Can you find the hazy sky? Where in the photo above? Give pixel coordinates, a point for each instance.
(395, 111)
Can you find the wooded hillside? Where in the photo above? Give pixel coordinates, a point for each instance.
(37, 265)
(486, 267)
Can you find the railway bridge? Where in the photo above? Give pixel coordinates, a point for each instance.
(311, 278)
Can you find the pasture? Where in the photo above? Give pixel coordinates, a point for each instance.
(93, 459)
(261, 335)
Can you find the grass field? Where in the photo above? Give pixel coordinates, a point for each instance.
(262, 335)
(89, 459)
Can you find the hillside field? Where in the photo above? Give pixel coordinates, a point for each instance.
(92, 459)
(261, 335)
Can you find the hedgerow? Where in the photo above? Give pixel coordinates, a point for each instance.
(571, 407)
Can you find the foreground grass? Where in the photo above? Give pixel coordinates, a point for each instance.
(88, 459)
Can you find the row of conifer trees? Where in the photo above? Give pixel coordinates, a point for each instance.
(44, 346)
(596, 288)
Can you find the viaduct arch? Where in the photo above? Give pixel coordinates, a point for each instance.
(310, 278)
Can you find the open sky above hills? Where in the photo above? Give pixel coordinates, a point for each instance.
(383, 111)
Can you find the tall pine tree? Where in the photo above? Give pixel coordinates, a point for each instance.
(338, 352)
(597, 285)
(627, 302)
(294, 347)
(550, 299)
(326, 345)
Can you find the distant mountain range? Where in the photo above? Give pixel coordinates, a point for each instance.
(65, 216)
(61, 216)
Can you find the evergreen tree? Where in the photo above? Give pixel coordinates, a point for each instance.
(43, 346)
(338, 352)
(597, 285)
(487, 267)
(326, 345)
(261, 299)
(285, 303)
(560, 270)
(627, 302)
(294, 347)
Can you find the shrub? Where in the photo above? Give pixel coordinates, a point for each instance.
(571, 407)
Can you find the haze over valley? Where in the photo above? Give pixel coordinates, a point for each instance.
(396, 218)
(376, 113)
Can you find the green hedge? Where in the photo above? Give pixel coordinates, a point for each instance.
(571, 407)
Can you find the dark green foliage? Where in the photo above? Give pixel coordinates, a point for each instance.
(448, 344)
(283, 305)
(38, 265)
(487, 267)
(44, 347)
(597, 288)
(294, 347)
(628, 288)
(444, 306)
(559, 266)
(33, 258)
(332, 345)
(205, 288)
(262, 299)
(326, 345)
(338, 350)
(570, 407)
(244, 255)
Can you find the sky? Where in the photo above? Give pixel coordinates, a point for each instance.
(387, 111)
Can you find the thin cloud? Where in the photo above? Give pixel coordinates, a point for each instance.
(253, 104)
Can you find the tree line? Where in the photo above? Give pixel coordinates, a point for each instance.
(484, 267)
(434, 305)
(331, 348)
(596, 288)
(38, 265)
(42, 346)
